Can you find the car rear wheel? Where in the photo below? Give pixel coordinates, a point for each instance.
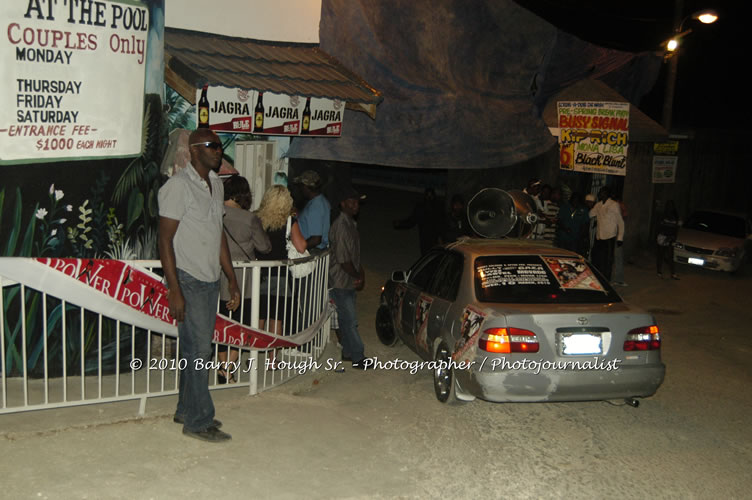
(443, 375)
(385, 327)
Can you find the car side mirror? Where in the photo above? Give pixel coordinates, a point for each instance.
(399, 276)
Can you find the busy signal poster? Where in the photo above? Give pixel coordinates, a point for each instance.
(73, 79)
(594, 136)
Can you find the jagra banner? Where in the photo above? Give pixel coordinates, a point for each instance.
(236, 110)
(594, 136)
(225, 109)
(73, 79)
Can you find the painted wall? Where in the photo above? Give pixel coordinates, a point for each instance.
(289, 20)
(103, 208)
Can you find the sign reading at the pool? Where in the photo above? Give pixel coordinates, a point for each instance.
(73, 79)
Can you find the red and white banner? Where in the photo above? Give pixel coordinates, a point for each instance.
(325, 117)
(266, 113)
(277, 114)
(119, 290)
(229, 110)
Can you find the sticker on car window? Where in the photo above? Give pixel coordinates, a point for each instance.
(467, 344)
(512, 273)
(421, 321)
(573, 273)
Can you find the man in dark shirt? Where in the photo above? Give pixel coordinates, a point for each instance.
(457, 224)
(428, 216)
(346, 276)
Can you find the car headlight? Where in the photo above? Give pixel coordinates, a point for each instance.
(678, 245)
(727, 252)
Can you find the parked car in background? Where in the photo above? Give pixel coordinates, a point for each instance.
(714, 239)
(512, 320)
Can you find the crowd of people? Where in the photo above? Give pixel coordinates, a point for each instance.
(591, 226)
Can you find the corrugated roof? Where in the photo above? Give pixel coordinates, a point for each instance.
(195, 59)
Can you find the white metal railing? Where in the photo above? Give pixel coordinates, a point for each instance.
(54, 353)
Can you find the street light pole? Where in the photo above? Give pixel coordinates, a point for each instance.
(706, 16)
(673, 64)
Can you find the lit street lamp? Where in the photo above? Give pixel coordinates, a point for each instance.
(706, 16)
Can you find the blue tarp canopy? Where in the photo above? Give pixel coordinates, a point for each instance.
(464, 82)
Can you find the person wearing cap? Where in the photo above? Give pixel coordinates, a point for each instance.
(346, 275)
(315, 218)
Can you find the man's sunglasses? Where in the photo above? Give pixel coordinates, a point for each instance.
(216, 146)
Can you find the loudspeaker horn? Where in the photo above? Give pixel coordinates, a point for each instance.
(495, 213)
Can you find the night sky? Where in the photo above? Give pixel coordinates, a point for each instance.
(711, 61)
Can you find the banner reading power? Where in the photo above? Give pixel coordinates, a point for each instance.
(73, 79)
(594, 136)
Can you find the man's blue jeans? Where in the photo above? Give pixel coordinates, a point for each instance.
(352, 345)
(195, 332)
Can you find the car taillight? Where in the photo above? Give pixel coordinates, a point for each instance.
(645, 338)
(508, 340)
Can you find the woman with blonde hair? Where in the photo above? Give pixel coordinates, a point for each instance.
(276, 207)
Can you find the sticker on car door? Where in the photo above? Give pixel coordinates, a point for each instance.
(421, 321)
(467, 344)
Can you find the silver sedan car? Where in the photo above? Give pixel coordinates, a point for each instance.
(714, 239)
(511, 320)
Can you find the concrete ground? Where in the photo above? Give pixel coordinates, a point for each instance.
(382, 434)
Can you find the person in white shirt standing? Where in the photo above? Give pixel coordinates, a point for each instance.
(609, 232)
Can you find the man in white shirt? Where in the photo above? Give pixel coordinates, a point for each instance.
(609, 231)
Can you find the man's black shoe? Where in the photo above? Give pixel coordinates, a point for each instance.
(346, 358)
(181, 420)
(212, 435)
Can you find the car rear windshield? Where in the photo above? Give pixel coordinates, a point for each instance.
(536, 279)
(712, 222)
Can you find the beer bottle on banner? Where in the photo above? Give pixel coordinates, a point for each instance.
(203, 109)
(259, 114)
(305, 128)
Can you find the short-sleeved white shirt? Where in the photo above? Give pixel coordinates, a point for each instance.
(185, 197)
